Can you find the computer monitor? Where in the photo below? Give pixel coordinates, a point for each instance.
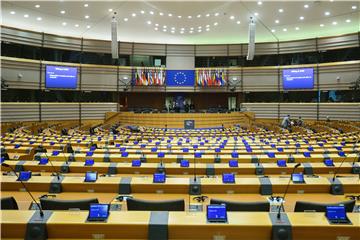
(185, 150)
(216, 213)
(228, 178)
(17, 146)
(341, 154)
(307, 154)
(43, 161)
(197, 155)
(91, 176)
(271, 154)
(24, 176)
(89, 154)
(92, 148)
(154, 149)
(329, 162)
(233, 163)
(184, 163)
(281, 163)
(161, 154)
(55, 153)
(297, 178)
(98, 212)
(136, 163)
(234, 154)
(159, 178)
(337, 215)
(124, 154)
(89, 162)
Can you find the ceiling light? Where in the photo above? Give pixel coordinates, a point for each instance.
(37, 5)
(215, 24)
(39, 18)
(238, 22)
(281, 10)
(198, 16)
(142, 11)
(62, 12)
(156, 24)
(192, 28)
(156, 29)
(208, 26)
(327, 13)
(64, 23)
(151, 12)
(334, 23)
(86, 5)
(76, 25)
(164, 26)
(216, 14)
(306, 6)
(232, 17)
(259, 3)
(87, 16)
(164, 30)
(182, 32)
(256, 14)
(190, 31)
(12, 12)
(277, 21)
(148, 22)
(199, 26)
(301, 18)
(354, 7)
(170, 15)
(26, 15)
(133, 14)
(322, 25)
(173, 28)
(172, 31)
(273, 30)
(199, 30)
(207, 15)
(88, 26)
(126, 19)
(297, 28)
(208, 29)
(179, 16)
(161, 14)
(182, 29)
(348, 20)
(189, 17)
(331, 0)
(284, 29)
(110, 9)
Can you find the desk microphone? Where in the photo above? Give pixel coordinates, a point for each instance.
(27, 190)
(338, 168)
(286, 190)
(194, 165)
(357, 157)
(54, 169)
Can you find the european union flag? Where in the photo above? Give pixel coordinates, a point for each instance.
(180, 78)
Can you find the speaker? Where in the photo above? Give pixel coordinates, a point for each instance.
(114, 42)
(251, 46)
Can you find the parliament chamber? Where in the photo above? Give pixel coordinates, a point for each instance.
(180, 120)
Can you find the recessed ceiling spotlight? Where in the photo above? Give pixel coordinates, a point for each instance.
(297, 28)
(284, 29)
(148, 22)
(199, 30)
(86, 5)
(39, 18)
(172, 31)
(164, 26)
(190, 31)
(215, 24)
(156, 24)
(273, 30)
(191, 28)
(208, 29)
(133, 14)
(281, 10)
(306, 6)
(170, 15)
(164, 30)
(182, 29)
(173, 28)
(37, 5)
(207, 15)
(64, 23)
(348, 20)
(199, 26)
(301, 18)
(331, 0)
(12, 12)
(327, 13)
(238, 22)
(232, 17)
(110, 9)
(62, 12)
(259, 3)
(88, 26)
(142, 12)
(198, 16)
(334, 23)
(126, 19)
(26, 15)
(151, 12)
(87, 16)
(181, 32)
(256, 14)
(354, 7)
(216, 14)
(322, 25)
(277, 21)
(189, 17)
(161, 14)
(156, 29)
(76, 25)
(208, 26)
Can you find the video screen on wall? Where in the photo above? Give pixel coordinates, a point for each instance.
(299, 78)
(61, 77)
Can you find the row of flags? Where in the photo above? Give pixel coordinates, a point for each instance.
(211, 77)
(148, 77)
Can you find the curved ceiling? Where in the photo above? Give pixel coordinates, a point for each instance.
(186, 22)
